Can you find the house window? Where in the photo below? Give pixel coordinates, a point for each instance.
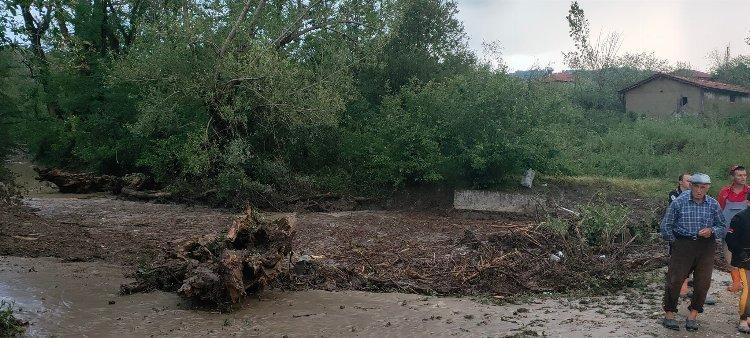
(683, 102)
(732, 98)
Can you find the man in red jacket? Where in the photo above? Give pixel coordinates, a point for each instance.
(733, 199)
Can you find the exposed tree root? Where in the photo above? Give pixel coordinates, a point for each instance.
(220, 271)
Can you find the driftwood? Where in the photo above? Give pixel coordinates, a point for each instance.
(223, 270)
(80, 183)
(131, 185)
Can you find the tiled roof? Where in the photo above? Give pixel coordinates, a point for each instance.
(560, 77)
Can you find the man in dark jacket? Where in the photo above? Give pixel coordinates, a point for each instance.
(738, 242)
(683, 184)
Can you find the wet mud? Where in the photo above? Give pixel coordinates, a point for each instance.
(80, 298)
(97, 241)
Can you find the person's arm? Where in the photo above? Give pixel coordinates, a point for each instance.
(734, 234)
(719, 227)
(667, 223)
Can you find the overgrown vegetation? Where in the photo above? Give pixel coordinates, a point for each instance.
(604, 225)
(271, 100)
(9, 325)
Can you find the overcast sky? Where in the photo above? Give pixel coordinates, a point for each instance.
(536, 31)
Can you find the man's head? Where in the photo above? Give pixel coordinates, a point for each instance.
(738, 174)
(684, 181)
(700, 183)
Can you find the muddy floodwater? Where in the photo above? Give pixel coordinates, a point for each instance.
(80, 298)
(75, 293)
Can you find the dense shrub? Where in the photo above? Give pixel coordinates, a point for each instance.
(603, 225)
(9, 325)
(656, 148)
(471, 129)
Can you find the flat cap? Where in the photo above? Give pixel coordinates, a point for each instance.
(700, 178)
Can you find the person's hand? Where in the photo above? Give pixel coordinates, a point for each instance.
(748, 203)
(705, 233)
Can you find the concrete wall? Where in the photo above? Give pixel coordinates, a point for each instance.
(481, 200)
(661, 98)
(719, 104)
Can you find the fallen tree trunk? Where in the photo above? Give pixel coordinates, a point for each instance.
(131, 185)
(80, 183)
(222, 270)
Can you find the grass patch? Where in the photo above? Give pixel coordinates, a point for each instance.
(642, 187)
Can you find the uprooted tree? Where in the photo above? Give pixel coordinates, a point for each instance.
(221, 270)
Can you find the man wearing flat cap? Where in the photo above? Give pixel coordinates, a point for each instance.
(692, 224)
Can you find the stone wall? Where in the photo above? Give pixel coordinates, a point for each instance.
(481, 200)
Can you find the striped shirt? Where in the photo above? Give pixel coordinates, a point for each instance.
(685, 218)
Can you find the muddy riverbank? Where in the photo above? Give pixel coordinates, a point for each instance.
(65, 256)
(80, 298)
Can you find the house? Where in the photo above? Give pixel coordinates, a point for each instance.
(560, 77)
(663, 94)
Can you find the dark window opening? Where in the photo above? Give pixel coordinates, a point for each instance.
(683, 102)
(732, 98)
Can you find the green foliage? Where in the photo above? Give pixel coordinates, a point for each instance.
(655, 148)
(8, 108)
(602, 224)
(250, 124)
(558, 226)
(644, 187)
(598, 91)
(427, 42)
(475, 129)
(9, 325)
(271, 101)
(735, 70)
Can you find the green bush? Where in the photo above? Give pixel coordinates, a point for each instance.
(655, 148)
(474, 129)
(9, 325)
(603, 225)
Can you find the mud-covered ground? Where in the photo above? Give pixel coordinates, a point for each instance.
(426, 252)
(98, 240)
(81, 299)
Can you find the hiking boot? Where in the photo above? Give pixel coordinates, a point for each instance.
(691, 325)
(671, 324)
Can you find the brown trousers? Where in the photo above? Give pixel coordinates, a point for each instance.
(696, 256)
